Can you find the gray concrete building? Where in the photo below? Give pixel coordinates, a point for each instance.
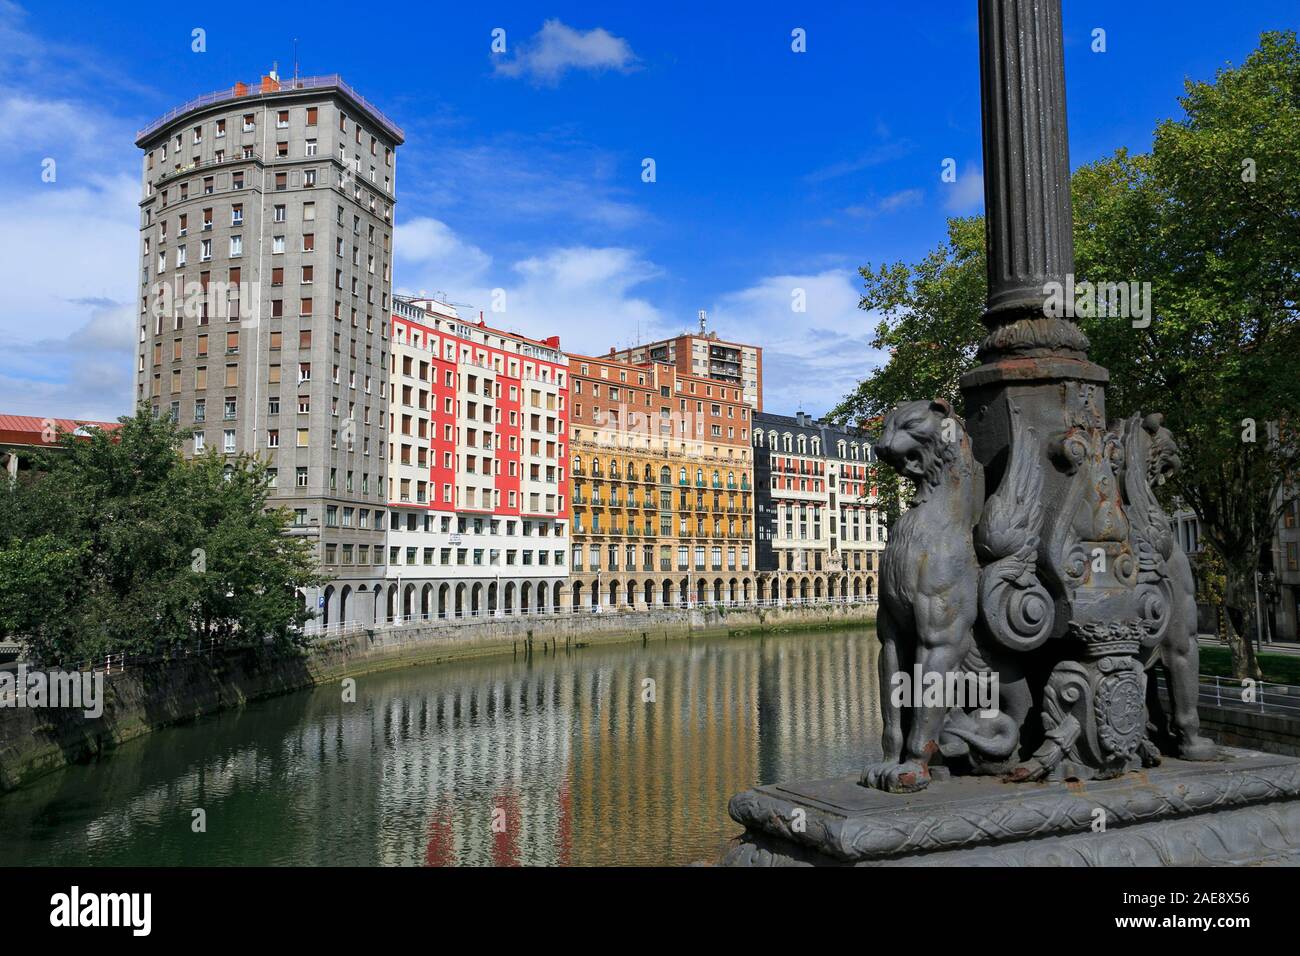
(266, 236)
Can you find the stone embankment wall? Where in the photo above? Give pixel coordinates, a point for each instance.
(140, 699)
(1237, 727)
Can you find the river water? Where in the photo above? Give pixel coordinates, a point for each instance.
(557, 760)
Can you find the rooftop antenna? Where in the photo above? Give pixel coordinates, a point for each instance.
(704, 318)
(295, 62)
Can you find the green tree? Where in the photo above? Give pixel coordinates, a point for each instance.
(1209, 218)
(114, 543)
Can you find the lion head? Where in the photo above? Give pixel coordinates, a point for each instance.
(919, 439)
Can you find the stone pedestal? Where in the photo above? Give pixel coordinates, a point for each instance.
(1244, 809)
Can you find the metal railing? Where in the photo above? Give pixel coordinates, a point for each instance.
(1260, 697)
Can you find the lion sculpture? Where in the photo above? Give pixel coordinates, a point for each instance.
(930, 604)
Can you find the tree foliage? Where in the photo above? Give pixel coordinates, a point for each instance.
(114, 543)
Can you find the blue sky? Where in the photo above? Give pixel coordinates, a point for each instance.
(775, 170)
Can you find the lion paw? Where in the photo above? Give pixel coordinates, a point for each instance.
(896, 777)
(1198, 748)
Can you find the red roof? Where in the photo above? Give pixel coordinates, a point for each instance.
(27, 429)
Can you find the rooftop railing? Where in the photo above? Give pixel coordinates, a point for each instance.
(249, 91)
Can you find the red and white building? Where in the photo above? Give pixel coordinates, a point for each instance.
(478, 422)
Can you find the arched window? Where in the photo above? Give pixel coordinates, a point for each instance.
(842, 447)
(699, 476)
(758, 438)
(595, 466)
(803, 445)
(577, 464)
(717, 480)
(681, 476)
(665, 475)
(787, 442)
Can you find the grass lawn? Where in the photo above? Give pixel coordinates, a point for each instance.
(1278, 668)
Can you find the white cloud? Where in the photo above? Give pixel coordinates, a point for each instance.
(588, 295)
(595, 298)
(28, 122)
(894, 202)
(67, 262)
(68, 248)
(886, 150)
(811, 359)
(966, 195)
(85, 374)
(558, 48)
(431, 257)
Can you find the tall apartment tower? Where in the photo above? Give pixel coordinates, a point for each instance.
(478, 512)
(266, 236)
(705, 355)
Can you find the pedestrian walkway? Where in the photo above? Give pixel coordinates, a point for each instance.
(1274, 647)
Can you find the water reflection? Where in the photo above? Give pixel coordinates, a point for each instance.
(555, 761)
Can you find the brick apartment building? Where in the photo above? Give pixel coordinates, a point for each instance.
(704, 355)
(662, 485)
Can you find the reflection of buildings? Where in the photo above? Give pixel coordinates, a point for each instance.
(458, 755)
(651, 781)
(585, 770)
